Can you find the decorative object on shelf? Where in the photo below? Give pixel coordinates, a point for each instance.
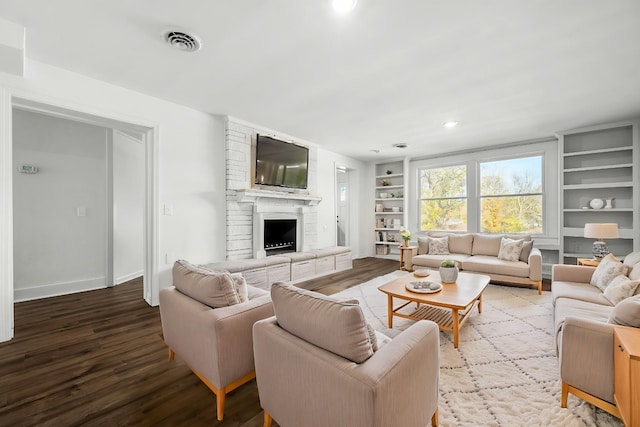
(400, 194)
(596, 203)
(389, 171)
(406, 235)
(609, 204)
(448, 271)
(384, 195)
(379, 207)
(600, 231)
(386, 182)
(395, 209)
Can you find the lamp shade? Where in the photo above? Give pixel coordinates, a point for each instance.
(601, 231)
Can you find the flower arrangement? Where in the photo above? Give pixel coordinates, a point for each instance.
(405, 234)
(386, 182)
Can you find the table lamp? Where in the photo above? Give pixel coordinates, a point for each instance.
(600, 232)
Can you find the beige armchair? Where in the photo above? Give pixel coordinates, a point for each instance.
(216, 343)
(302, 383)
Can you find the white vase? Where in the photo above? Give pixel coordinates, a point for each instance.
(609, 204)
(448, 274)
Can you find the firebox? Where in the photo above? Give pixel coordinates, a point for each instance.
(279, 236)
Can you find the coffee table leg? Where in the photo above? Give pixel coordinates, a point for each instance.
(456, 327)
(390, 310)
(480, 304)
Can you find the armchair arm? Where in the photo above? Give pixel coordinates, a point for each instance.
(586, 357)
(571, 273)
(215, 342)
(535, 264)
(298, 381)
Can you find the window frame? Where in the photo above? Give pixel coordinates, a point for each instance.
(465, 197)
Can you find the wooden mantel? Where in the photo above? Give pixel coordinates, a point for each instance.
(252, 195)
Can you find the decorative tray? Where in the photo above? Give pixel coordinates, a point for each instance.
(423, 272)
(423, 287)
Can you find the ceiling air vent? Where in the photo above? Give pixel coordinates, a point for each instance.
(182, 40)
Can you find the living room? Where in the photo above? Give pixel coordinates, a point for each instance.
(516, 79)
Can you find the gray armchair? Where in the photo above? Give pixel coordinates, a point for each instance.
(303, 384)
(215, 343)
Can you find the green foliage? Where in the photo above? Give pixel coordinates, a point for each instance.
(447, 263)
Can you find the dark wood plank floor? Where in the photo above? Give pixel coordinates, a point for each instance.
(97, 359)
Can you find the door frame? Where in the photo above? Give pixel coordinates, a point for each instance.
(10, 98)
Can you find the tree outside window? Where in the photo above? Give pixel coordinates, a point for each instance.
(443, 198)
(511, 196)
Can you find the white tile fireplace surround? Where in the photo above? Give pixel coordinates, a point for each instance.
(268, 212)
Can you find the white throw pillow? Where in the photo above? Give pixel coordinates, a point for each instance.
(240, 284)
(510, 249)
(621, 287)
(608, 269)
(439, 245)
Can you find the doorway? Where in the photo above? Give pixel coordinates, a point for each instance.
(342, 206)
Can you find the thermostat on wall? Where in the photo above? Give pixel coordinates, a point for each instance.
(27, 169)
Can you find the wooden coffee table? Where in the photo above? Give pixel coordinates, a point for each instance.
(443, 307)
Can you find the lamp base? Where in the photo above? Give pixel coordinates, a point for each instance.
(600, 250)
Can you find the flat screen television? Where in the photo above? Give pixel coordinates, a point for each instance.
(280, 163)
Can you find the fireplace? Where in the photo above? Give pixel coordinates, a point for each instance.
(280, 236)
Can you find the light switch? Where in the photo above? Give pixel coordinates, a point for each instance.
(81, 211)
(168, 210)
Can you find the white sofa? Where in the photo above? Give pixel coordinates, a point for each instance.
(478, 253)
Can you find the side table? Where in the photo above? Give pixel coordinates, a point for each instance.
(589, 262)
(626, 361)
(406, 257)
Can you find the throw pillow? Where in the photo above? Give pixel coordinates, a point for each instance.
(526, 251)
(608, 269)
(510, 249)
(373, 338)
(382, 339)
(439, 245)
(423, 245)
(208, 287)
(621, 287)
(241, 286)
(627, 312)
(336, 326)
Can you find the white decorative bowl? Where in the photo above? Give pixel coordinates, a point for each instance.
(596, 203)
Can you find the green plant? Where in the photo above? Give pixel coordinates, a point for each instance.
(385, 182)
(406, 234)
(389, 171)
(448, 263)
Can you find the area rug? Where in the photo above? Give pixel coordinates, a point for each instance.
(505, 371)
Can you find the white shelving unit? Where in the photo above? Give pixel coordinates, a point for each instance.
(599, 162)
(389, 207)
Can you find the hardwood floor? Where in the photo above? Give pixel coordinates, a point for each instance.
(98, 359)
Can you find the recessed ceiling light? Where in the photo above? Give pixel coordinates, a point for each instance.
(343, 6)
(401, 145)
(450, 124)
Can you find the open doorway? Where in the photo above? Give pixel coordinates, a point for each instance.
(342, 206)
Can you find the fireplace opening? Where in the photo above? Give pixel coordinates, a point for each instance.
(279, 236)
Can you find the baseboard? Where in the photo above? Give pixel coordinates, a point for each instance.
(55, 289)
(128, 277)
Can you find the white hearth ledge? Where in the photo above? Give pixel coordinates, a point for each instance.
(253, 195)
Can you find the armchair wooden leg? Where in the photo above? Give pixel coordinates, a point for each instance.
(220, 404)
(172, 354)
(434, 419)
(565, 394)
(267, 419)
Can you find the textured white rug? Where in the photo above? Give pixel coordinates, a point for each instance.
(505, 371)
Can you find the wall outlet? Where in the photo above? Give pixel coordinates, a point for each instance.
(81, 211)
(169, 258)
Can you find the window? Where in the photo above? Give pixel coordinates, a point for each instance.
(511, 196)
(443, 198)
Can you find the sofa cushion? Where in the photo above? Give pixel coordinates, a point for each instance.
(608, 269)
(486, 244)
(240, 285)
(620, 288)
(423, 245)
(632, 259)
(526, 250)
(433, 261)
(439, 245)
(586, 310)
(578, 291)
(458, 243)
(493, 265)
(206, 286)
(627, 312)
(336, 326)
(510, 249)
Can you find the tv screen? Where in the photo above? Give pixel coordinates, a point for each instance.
(280, 163)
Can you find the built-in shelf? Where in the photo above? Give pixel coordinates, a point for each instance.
(625, 233)
(599, 168)
(599, 151)
(389, 213)
(389, 199)
(388, 243)
(386, 229)
(598, 185)
(253, 195)
(600, 210)
(388, 176)
(389, 187)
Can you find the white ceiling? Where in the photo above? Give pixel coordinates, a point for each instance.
(390, 72)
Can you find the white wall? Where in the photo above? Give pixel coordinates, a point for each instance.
(190, 166)
(128, 207)
(55, 250)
